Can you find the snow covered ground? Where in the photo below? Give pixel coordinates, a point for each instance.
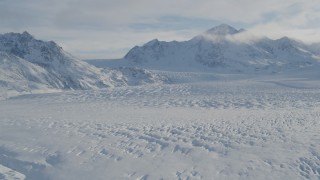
(220, 128)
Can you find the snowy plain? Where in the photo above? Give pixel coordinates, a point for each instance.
(212, 127)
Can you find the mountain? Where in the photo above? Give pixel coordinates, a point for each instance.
(59, 69)
(29, 65)
(19, 75)
(222, 30)
(224, 49)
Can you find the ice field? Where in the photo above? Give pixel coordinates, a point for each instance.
(223, 128)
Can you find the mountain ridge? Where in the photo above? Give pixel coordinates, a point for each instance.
(65, 71)
(224, 49)
(28, 65)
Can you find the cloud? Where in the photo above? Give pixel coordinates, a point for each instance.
(299, 21)
(88, 28)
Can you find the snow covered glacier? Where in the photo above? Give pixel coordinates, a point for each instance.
(220, 106)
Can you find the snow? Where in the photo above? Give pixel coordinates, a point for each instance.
(28, 65)
(223, 128)
(199, 109)
(9, 174)
(59, 70)
(224, 49)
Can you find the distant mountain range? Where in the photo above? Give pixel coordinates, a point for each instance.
(28, 64)
(225, 49)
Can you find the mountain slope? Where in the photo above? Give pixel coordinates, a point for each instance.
(29, 65)
(63, 70)
(225, 49)
(20, 75)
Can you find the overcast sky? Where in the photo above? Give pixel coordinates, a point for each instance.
(109, 28)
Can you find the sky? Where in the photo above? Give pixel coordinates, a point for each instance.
(108, 29)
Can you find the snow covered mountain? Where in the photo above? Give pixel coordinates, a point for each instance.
(224, 48)
(19, 75)
(29, 65)
(45, 63)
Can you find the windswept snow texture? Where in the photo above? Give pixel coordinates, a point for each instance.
(221, 128)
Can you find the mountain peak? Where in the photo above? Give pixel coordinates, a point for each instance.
(222, 30)
(26, 34)
(152, 42)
